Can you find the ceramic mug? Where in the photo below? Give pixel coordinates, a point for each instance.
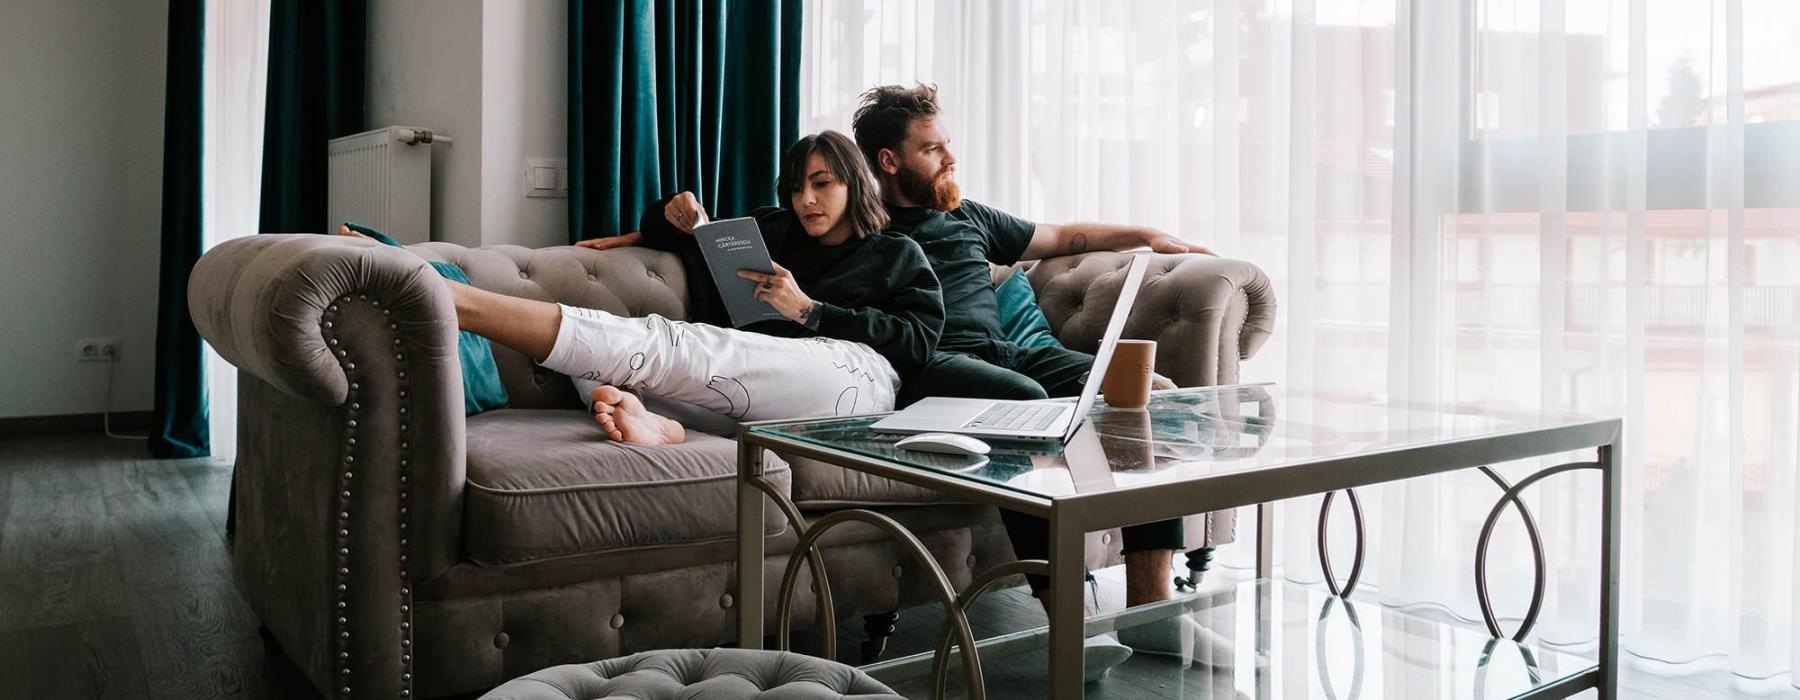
(1127, 380)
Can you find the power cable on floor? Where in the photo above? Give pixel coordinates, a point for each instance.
(106, 408)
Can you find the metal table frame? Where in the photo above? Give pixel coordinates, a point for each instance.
(1071, 516)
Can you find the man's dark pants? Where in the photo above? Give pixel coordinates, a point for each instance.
(992, 369)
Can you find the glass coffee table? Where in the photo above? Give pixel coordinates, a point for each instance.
(1320, 646)
(1195, 451)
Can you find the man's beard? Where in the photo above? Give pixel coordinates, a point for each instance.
(937, 192)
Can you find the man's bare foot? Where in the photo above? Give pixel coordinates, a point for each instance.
(625, 419)
(345, 231)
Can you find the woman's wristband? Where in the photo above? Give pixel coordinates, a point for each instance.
(809, 316)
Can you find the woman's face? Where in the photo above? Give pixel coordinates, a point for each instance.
(821, 200)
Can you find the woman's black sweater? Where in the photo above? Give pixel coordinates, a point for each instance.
(877, 290)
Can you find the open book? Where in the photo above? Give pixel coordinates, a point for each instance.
(731, 245)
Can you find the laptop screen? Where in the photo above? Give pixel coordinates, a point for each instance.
(1134, 276)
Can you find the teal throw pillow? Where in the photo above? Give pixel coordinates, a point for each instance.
(1020, 318)
(482, 390)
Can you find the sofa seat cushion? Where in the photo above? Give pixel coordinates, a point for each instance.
(547, 483)
(821, 485)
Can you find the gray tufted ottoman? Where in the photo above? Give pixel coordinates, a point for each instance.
(696, 673)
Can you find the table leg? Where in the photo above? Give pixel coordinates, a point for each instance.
(750, 546)
(1265, 540)
(1265, 572)
(1066, 633)
(1609, 571)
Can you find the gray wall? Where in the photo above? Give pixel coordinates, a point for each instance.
(81, 113)
(492, 74)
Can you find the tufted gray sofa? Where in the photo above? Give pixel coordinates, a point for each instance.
(396, 549)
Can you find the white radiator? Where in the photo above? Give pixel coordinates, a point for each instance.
(382, 179)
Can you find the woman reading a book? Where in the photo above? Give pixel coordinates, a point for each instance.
(861, 308)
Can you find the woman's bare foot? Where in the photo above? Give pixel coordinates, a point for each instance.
(625, 419)
(345, 231)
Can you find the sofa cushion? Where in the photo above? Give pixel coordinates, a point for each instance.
(821, 485)
(546, 483)
(1021, 320)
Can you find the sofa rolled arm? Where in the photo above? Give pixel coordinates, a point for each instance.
(260, 302)
(351, 464)
(1206, 313)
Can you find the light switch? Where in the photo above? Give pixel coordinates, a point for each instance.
(546, 177)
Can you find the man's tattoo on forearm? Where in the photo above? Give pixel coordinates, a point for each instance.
(1078, 244)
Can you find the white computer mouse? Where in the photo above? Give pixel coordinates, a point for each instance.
(943, 443)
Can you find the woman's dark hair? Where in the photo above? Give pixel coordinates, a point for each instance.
(867, 213)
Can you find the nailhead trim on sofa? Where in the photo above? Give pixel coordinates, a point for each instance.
(343, 659)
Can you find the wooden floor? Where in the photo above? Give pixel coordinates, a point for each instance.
(114, 583)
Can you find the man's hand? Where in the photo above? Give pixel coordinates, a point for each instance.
(685, 212)
(782, 292)
(1164, 243)
(610, 242)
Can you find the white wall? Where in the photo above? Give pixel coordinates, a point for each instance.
(81, 113)
(524, 111)
(493, 76)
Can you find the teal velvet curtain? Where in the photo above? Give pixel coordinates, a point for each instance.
(317, 63)
(179, 426)
(672, 95)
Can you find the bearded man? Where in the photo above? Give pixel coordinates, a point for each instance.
(899, 131)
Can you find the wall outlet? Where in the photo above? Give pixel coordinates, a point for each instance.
(97, 350)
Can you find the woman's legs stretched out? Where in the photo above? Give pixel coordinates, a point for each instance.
(743, 375)
(526, 325)
(531, 326)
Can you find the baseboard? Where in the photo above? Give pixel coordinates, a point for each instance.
(122, 422)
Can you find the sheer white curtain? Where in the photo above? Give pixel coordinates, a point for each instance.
(236, 73)
(1582, 205)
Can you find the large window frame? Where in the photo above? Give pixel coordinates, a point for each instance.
(1501, 174)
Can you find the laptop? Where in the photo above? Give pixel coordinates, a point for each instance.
(1049, 420)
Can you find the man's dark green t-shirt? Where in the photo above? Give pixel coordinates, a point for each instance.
(960, 244)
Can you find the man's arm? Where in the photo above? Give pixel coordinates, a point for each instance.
(1051, 240)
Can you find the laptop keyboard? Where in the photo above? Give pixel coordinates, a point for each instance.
(1018, 416)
